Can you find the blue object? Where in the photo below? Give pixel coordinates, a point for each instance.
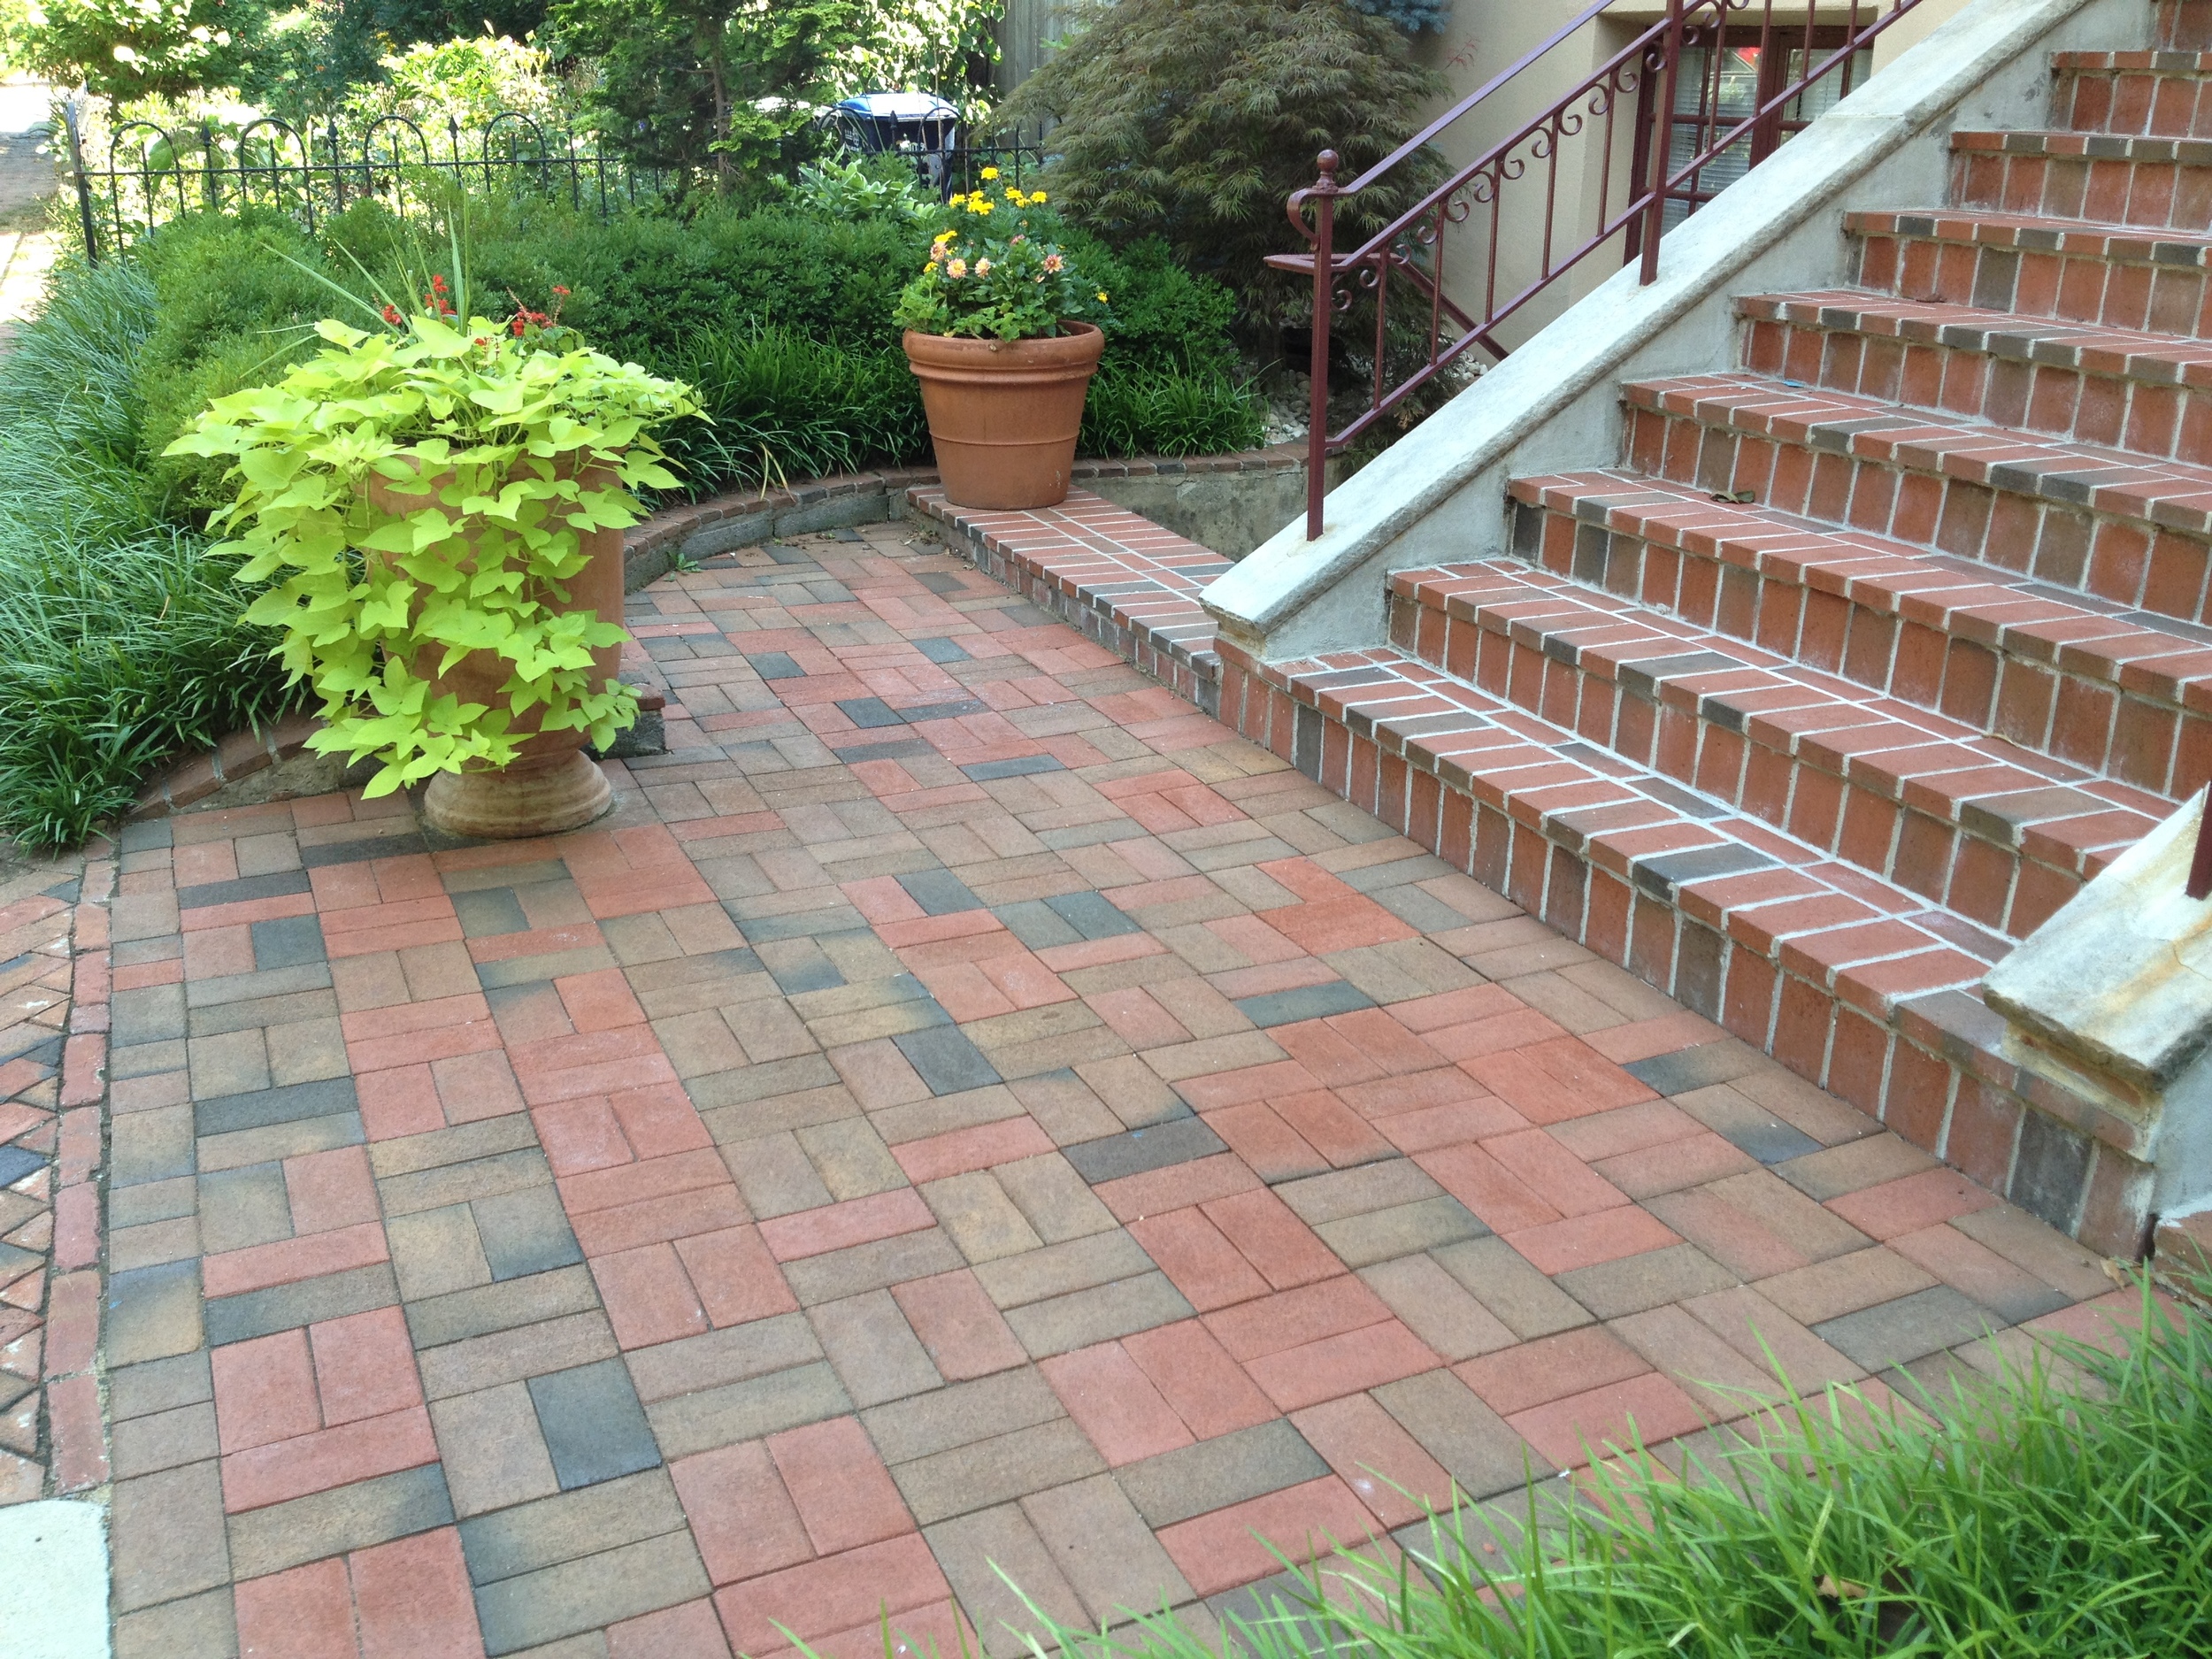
(916, 124)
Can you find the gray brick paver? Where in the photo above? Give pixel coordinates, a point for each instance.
(343, 1518)
(994, 1470)
(768, 1404)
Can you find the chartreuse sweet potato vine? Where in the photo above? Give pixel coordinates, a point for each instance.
(498, 445)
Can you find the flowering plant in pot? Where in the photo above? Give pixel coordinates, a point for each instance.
(437, 504)
(1001, 331)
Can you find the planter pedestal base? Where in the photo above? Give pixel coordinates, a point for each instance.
(527, 798)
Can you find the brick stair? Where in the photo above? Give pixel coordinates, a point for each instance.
(1934, 804)
(2157, 93)
(2096, 686)
(2148, 394)
(1863, 654)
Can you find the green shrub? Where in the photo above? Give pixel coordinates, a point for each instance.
(2022, 1520)
(784, 406)
(1194, 119)
(119, 636)
(232, 313)
(1163, 317)
(781, 318)
(1155, 409)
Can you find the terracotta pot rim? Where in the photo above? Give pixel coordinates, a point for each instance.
(1074, 346)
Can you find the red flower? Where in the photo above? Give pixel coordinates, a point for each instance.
(437, 283)
(519, 325)
(391, 315)
(560, 290)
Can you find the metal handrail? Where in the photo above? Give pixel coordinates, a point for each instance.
(1410, 249)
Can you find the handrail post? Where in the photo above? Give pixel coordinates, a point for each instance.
(2199, 884)
(1662, 146)
(1324, 194)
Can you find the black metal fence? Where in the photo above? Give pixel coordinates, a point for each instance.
(149, 174)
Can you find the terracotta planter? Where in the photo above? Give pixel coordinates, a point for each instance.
(1003, 413)
(552, 785)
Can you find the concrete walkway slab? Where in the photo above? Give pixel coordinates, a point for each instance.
(53, 1581)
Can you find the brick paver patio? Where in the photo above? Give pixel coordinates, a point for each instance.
(968, 1108)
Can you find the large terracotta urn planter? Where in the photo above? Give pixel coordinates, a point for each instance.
(552, 785)
(1003, 414)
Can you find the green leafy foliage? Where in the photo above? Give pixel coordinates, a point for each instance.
(120, 640)
(857, 190)
(717, 85)
(127, 50)
(944, 47)
(419, 493)
(2063, 1511)
(1194, 120)
(470, 79)
(994, 273)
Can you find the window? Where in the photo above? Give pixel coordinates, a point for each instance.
(1717, 90)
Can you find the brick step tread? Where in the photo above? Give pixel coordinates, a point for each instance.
(2156, 63)
(2134, 354)
(2140, 652)
(1964, 778)
(2178, 149)
(1866, 939)
(2171, 494)
(2037, 232)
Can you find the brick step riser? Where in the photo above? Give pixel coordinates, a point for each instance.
(1707, 746)
(2151, 194)
(2144, 741)
(2134, 102)
(2182, 26)
(2124, 560)
(1942, 1087)
(2142, 417)
(2115, 293)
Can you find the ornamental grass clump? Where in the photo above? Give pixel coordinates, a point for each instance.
(992, 274)
(418, 491)
(2059, 1510)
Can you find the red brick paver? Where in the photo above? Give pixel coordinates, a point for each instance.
(966, 1110)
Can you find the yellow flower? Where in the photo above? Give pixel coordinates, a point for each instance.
(1101, 296)
(1037, 200)
(944, 236)
(1014, 194)
(988, 172)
